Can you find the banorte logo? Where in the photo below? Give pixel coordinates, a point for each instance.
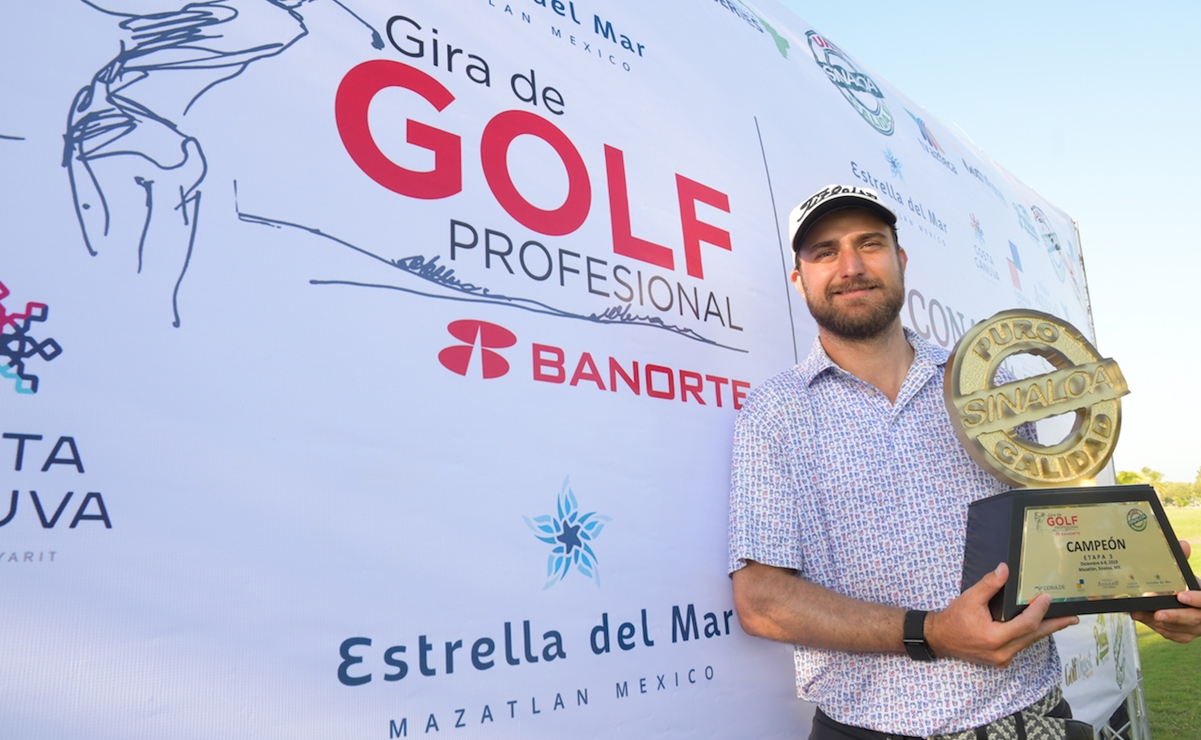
(488, 336)
(554, 365)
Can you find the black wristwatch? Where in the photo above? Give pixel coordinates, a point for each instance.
(914, 636)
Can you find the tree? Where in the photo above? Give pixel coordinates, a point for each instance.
(1146, 476)
(1177, 494)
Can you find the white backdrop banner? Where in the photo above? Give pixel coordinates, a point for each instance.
(1100, 665)
(369, 367)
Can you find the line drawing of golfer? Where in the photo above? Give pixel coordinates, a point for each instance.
(135, 174)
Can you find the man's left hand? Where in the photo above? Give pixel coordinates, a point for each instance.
(1178, 625)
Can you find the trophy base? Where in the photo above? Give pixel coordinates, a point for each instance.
(1093, 550)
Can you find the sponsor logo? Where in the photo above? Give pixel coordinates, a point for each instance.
(860, 90)
(894, 164)
(627, 282)
(1015, 265)
(488, 337)
(985, 264)
(1079, 667)
(979, 230)
(658, 381)
(1045, 301)
(934, 320)
(50, 509)
(17, 345)
(927, 222)
(815, 200)
(1051, 241)
(755, 21)
(559, 366)
(1024, 220)
(1055, 522)
(570, 535)
(1101, 636)
(983, 260)
(927, 135)
(570, 29)
(1136, 519)
(976, 173)
(930, 144)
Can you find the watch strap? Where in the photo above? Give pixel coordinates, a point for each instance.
(914, 636)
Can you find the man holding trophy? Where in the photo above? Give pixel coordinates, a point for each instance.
(850, 496)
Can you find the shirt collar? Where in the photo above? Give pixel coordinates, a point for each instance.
(926, 358)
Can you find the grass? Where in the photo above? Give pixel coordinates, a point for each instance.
(1187, 524)
(1170, 671)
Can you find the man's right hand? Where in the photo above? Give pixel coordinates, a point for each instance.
(966, 630)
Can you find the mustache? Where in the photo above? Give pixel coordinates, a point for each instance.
(864, 284)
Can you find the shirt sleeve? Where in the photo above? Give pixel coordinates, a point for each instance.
(764, 511)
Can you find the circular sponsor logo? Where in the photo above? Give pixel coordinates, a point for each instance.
(986, 416)
(859, 89)
(1137, 519)
(1055, 252)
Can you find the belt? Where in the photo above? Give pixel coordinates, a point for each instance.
(1049, 718)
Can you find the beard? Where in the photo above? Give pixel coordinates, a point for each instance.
(868, 318)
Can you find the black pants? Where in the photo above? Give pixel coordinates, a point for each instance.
(825, 728)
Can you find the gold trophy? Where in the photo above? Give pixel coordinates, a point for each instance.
(1091, 548)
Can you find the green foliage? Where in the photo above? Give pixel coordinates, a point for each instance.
(1170, 673)
(1170, 492)
(1179, 494)
(1146, 475)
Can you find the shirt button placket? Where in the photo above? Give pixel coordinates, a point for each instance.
(894, 459)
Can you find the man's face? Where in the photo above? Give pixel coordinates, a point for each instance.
(851, 274)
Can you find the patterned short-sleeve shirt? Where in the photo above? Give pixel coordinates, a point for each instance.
(869, 498)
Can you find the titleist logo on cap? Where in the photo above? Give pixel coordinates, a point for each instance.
(831, 198)
(829, 192)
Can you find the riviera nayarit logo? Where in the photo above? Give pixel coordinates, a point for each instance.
(927, 134)
(570, 535)
(17, 346)
(489, 337)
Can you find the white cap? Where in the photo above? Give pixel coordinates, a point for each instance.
(832, 198)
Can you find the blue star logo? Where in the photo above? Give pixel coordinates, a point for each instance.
(570, 535)
(894, 164)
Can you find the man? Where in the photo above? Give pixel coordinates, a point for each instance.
(849, 499)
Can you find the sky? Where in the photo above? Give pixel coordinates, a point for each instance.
(1095, 106)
